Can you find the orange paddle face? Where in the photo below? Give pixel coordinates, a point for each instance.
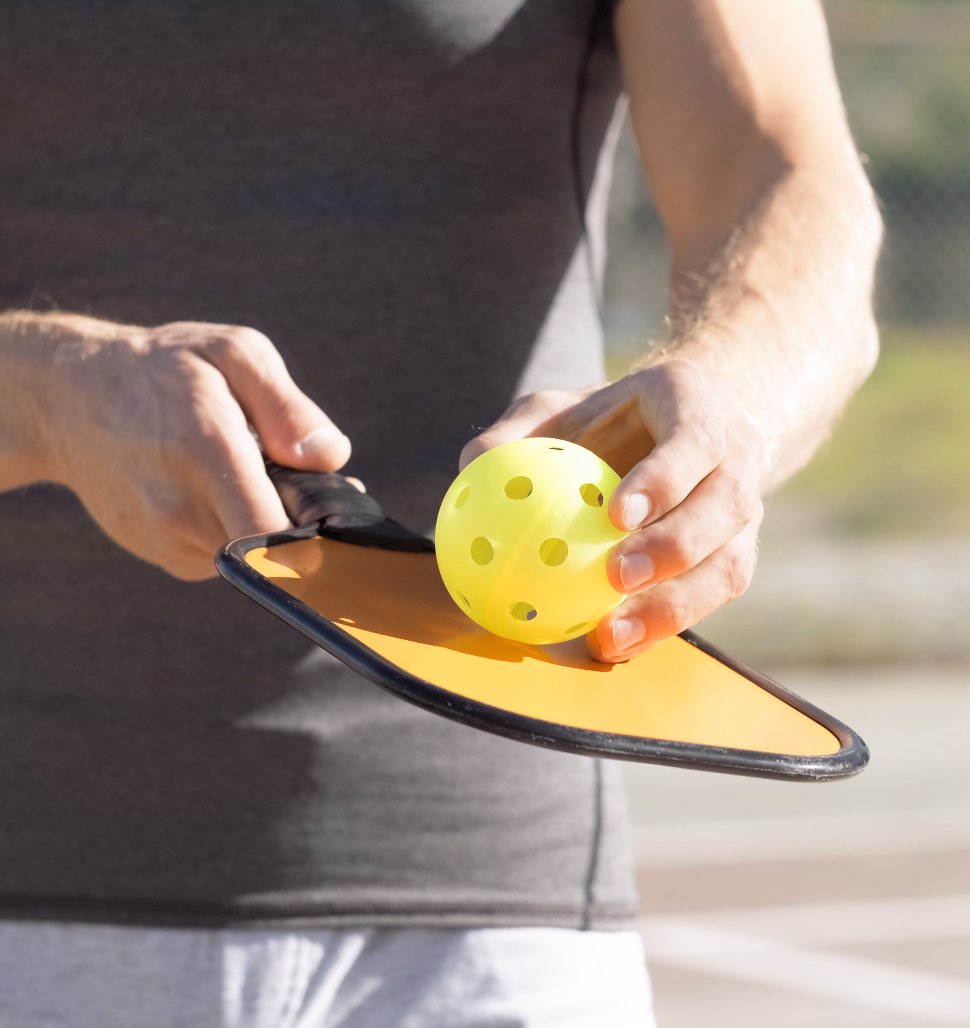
(676, 703)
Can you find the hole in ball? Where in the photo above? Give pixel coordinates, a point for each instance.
(553, 552)
(575, 628)
(461, 597)
(462, 496)
(523, 611)
(481, 550)
(591, 495)
(554, 447)
(518, 488)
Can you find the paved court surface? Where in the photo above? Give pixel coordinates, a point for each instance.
(784, 905)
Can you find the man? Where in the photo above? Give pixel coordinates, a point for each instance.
(397, 206)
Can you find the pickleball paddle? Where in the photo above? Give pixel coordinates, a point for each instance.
(367, 590)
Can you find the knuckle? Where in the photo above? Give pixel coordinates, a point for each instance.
(709, 430)
(672, 613)
(677, 551)
(666, 492)
(743, 499)
(738, 569)
(173, 334)
(243, 335)
(221, 347)
(205, 415)
(197, 371)
(237, 342)
(282, 409)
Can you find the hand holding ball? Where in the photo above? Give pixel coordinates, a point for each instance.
(522, 539)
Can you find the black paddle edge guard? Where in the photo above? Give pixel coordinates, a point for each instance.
(851, 758)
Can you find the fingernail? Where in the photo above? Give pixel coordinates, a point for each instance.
(635, 510)
(627, 632)
(636, 569)
(318, 440)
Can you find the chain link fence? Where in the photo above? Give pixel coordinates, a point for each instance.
(904, 69)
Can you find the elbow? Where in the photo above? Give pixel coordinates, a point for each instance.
(869, 235)
(868, 220)
(857, 227)
(867, 347)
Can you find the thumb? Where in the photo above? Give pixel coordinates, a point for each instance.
(294, 431)
(526, 416)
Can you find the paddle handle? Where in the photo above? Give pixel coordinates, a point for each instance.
(310, 496)
(340, 511)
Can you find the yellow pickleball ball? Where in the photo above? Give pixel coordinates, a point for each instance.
(522, 540)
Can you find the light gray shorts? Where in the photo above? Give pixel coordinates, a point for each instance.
(81, 976)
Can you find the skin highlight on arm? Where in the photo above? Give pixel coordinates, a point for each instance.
(773, 234)
(150, 427)
(772, 225)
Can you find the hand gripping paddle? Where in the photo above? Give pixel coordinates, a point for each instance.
(368, 590)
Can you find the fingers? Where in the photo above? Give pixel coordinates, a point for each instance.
(683, 407)
(156, 436)
(526, 416)
(225, 492)
(690, 494)
(649, 617)
(293, 429)
(243, 495)
(716, 510)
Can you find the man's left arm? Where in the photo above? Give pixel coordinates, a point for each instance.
(773, 234)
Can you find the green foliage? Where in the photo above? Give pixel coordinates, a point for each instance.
(898, 463)
(909, 108)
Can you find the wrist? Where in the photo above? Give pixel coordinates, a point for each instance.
(25, 355)
(37, 355)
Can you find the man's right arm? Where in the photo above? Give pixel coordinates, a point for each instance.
(150, 427)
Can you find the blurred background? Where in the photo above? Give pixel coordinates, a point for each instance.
(778, 904)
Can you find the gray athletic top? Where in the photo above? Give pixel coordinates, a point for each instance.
(392, 191)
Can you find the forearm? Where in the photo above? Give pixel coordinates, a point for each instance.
(774, 235)
(782, 312)
(772, 225)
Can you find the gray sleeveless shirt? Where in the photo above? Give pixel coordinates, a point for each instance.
(394, 191)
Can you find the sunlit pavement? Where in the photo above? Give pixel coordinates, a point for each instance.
(795, 905)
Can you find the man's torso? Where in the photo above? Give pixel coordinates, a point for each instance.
(392, 193)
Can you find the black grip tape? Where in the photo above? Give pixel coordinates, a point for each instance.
(340, 510)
